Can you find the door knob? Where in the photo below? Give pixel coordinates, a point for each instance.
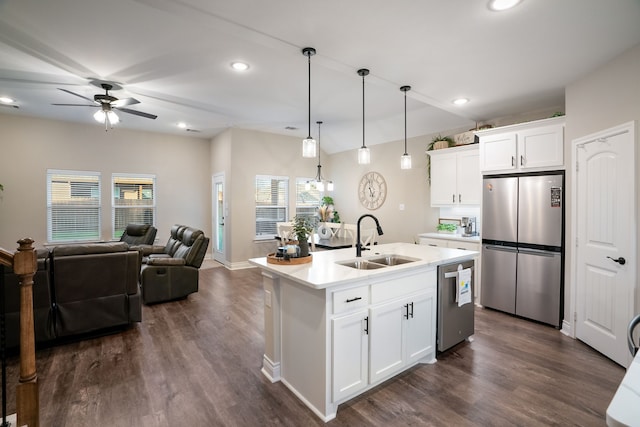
(620, 260)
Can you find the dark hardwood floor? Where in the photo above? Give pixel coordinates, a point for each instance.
(196, 362)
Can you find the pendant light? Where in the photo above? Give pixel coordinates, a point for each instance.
(309, 144)
(319, 179)
(364, 155)
(405, 159)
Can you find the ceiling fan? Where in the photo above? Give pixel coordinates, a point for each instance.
(107, 104)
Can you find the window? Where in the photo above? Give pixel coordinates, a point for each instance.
(307, 201)
(272, 199)
(134, 201)
(73, 206)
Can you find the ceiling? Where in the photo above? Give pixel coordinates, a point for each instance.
(174, 57)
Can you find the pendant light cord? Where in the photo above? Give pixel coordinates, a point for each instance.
(309, 103)
(363, 72)
(319, 177)
(405, 89)
(405, 122)
(363, 146)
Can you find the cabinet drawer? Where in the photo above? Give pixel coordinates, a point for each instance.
(432, 242)
(350, 299)
(468, 246)
(396, 288)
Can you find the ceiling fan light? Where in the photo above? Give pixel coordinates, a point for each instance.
(113, 117)
(405, 161)
(308, 147)
(99, 116)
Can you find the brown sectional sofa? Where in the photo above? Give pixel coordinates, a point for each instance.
(78, 289)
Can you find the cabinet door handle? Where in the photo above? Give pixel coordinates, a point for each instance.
(521, 160)
(353, 299)
(411, 310)
(459, 198)
(406, 315)
(366, 325)
(513, 161)
(453, 198)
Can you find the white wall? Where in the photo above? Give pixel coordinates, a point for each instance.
(603, 98)
(405, 187)
(30, 146)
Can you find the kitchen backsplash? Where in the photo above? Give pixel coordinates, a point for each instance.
(459, 212)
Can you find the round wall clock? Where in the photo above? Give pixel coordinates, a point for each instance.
(372, 190)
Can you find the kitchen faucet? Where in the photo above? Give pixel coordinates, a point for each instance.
(359, 247)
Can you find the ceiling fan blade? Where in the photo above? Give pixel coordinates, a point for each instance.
(75, 105)
(76, 94)
(137, 113)
(124, 102)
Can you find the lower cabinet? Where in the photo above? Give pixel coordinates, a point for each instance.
(397, 336)
(350, 354)
(394, 332)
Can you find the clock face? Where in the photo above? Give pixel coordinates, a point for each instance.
(372, 190)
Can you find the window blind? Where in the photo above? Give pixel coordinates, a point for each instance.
(272, 200)
(73, 206)
(307, 201)
(133, 201)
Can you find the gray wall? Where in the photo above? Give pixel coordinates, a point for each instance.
(603, 98)
(29, 146)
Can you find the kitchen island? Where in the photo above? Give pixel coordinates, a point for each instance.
(333, 331)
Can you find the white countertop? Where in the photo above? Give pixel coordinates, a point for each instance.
(450, 236)
(324, 272)
(624, 409)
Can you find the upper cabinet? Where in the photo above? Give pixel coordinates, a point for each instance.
(455, 176)
(532, 146)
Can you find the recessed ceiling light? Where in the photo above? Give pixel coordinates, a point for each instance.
(240, 66)
(460, 101)
(6, 100)
(499, 5)
(182, 125)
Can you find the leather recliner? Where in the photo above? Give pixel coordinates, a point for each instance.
(139, 234)
(171, 272)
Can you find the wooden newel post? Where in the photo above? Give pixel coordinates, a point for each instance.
(27, 402)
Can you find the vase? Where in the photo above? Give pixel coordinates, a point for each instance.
(304, 248)
(323, 231)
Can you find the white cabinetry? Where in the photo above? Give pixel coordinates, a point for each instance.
(533, 146)
(455, 176)
(395, 331)
(397, 334)
(351, 354)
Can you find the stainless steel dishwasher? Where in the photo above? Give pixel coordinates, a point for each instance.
(455, 323)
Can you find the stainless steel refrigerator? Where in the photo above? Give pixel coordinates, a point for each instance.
(523, 245)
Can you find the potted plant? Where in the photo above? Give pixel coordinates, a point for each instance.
(303, 227)
(438, 142)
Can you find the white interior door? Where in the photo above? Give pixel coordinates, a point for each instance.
(218, 210)
(605, 272)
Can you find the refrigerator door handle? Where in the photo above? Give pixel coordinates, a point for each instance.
(501, 248)
(539, 252)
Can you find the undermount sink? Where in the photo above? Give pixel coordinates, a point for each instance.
(392, 260)
(362, 265)
(378, 262)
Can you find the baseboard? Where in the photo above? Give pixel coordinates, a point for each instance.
(566, 329)
(239, 265)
